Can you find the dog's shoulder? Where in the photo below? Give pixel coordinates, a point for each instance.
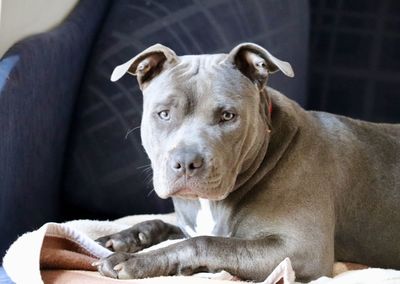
(323, 128)
(338, 124)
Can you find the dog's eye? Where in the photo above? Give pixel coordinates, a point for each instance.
(226, 116)
(164, 115)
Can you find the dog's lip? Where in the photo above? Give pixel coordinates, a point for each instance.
(184, 192)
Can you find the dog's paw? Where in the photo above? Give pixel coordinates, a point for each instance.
(126, 266)
(124, 241)
(106, 266)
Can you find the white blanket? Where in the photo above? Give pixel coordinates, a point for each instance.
(63, 253)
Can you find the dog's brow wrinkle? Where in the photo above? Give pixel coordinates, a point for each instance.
(172, 100)
(190, 103)
(186, 69)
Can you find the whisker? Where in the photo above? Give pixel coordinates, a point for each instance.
(130, 131)
(149, 179)
(151, 191)
(144, 167)
(147, 170)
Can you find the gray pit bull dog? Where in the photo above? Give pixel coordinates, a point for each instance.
(254, 177)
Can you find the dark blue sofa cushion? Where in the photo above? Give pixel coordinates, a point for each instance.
(106, 174)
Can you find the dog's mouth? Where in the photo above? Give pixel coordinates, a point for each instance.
(213, 184)
(184, 192)
(211, 189)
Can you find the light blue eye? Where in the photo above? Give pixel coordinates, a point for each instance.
(164, 115)
(226, 116)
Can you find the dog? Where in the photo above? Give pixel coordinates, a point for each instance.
(254, 177)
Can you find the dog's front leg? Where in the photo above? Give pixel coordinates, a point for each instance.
(248, 259)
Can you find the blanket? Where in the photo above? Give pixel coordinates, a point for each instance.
(64, 253)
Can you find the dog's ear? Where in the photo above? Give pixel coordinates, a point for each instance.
(257, 63)
(147, 64)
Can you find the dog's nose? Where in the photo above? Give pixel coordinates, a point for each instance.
(187, 162)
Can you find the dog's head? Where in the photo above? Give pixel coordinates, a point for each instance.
(205, 117)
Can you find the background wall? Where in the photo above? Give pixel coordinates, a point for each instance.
(21, 18)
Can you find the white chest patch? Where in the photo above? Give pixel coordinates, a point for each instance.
(205, 222)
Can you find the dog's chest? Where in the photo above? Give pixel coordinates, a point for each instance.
(207, 222)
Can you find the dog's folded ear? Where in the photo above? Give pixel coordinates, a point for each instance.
(147, 64)
(256, 62)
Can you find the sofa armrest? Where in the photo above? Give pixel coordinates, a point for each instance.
(39, 78)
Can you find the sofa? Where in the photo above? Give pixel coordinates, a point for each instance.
(70, 143)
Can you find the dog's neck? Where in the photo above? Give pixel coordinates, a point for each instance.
(253, 171)
(283, 129)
